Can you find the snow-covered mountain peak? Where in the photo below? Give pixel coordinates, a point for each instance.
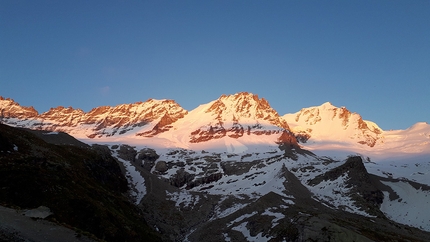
(59, 118)
(327, 106)
(60, 111)
(242, 104)
(239, 97)
(233, 121)
(11, 109)
(244, 107)
(329, 123)
(229, 121)
(165, 103)
(144, 118)
(154, 116)
(419, 126)
(151, 107)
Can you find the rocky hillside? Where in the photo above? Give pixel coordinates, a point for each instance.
(82, 186)
(284, 195)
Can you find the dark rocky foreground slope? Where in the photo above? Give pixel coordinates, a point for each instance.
(82, 186)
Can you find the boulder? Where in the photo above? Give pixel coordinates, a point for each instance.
(40, 212)
(161, 166)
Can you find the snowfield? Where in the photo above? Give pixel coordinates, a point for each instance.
(410, 208)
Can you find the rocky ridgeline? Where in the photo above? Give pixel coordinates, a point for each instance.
(102, 121)
(10, 109)
(234, 116)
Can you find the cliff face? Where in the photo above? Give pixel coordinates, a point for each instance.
(10, 109)
(147, 118)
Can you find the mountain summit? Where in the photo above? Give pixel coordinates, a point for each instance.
(232, 116)
(329, 123)
(9, 109)
(245, 107)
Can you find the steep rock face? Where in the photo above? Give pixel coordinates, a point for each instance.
(10, 109)
(60, 118)
(329, 123)
(155, 115)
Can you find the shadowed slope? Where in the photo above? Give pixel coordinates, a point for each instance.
(83, 187)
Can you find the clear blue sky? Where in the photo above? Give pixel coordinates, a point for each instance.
(372, 57)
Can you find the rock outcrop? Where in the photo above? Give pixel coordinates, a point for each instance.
(362, 189)
(9, 109)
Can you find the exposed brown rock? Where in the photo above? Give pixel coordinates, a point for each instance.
(12, 109)
(104, 120)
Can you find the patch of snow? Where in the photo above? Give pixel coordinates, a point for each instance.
(40, 212)
(184, 198)
(135, 180)
(336, 193)
(278, 216)
(413, 168)
(288, 201)
(256, 182)
(411, 208)
(239, 219)
(189, 233)
(51, 133)
(15, 148)
(242, 228)
(224, 213)
(226, 238)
